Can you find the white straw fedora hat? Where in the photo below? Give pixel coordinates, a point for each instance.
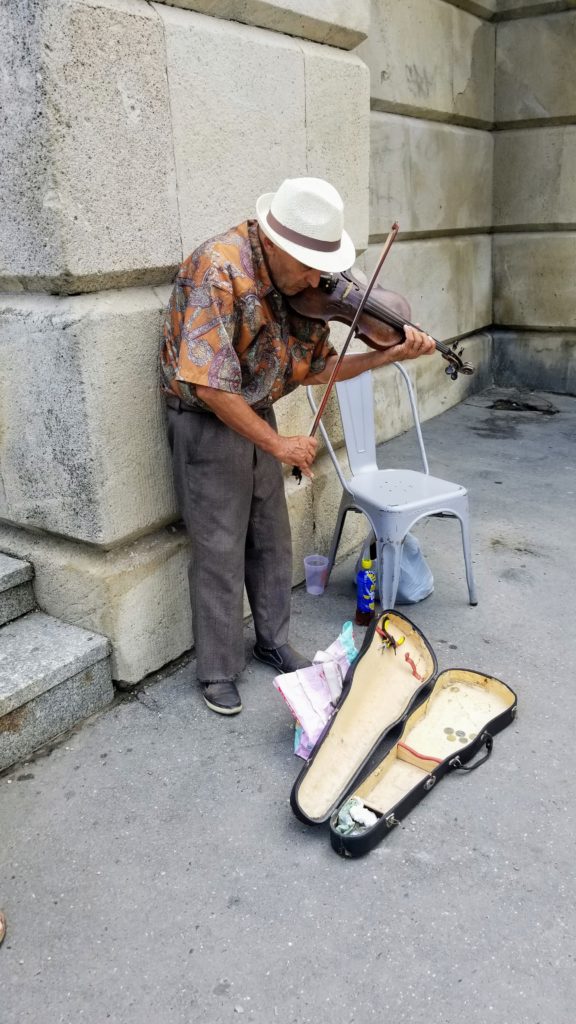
(305, 218)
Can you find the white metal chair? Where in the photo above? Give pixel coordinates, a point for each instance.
(393, 500)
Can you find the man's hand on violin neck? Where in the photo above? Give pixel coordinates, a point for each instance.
(297, 451)
(416, 343)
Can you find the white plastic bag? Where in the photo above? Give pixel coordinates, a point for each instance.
(416, 579)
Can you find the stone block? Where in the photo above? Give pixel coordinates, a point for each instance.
(540, 361)
(534, 280)
(392, 412)
(445, 70)
(447, 282)
(435, 392)
(53, 713)
(533, 90)
(39, 652)
(86, 170)
(13, 572)
(440, 393)
(293, 413)
(300, 500)
(481, 8)
(52, 676)
(16, 602)
(535, 177)
(16, 593)
(137, 595)
(338, 130)
(506, 9)
(240, 146)
(327, 493)
(429, 177)
(335, 22)
(258, 143)
(83, 449)
(312, 504)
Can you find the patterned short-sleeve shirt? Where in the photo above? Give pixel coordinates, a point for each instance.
(227, 327)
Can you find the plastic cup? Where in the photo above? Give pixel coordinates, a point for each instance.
(316, 569)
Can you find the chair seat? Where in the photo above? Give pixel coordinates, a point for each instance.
(402, 488)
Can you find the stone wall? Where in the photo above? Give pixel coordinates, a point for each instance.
(431, 159)
(535, 198)
(133, 130)
(472, 150)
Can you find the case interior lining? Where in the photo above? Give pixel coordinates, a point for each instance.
(460, 706)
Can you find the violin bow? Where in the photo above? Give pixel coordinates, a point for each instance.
(296, 471)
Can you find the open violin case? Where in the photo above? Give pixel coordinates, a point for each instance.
(397, 729)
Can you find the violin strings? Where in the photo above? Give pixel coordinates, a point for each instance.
(394, 320)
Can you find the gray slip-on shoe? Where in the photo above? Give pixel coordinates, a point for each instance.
(222, 696)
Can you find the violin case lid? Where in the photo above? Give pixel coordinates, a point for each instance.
(392, 672)
(398, 729)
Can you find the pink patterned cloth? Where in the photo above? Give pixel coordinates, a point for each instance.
(312, 693)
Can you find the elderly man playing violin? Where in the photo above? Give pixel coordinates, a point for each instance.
(232, 346)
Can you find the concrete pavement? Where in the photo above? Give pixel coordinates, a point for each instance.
(151, 868)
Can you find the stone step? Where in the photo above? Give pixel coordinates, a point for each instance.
(52, 676)
(16, 593)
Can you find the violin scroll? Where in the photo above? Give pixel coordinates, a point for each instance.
(454, 359)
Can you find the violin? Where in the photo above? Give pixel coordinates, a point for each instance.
(381, 322)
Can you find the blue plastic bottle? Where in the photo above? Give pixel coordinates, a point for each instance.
(365, 593)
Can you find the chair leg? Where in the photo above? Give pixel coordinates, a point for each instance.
(344, 508)
(389, 555)
(464, 526)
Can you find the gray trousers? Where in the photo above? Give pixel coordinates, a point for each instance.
(231, 497)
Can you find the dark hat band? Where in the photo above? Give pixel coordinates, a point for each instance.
(298, 239)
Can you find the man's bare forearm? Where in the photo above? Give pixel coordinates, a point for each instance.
(235, 412)
(357, 362)
(416, 343)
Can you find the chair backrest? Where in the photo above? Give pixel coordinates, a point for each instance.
(356, 401)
